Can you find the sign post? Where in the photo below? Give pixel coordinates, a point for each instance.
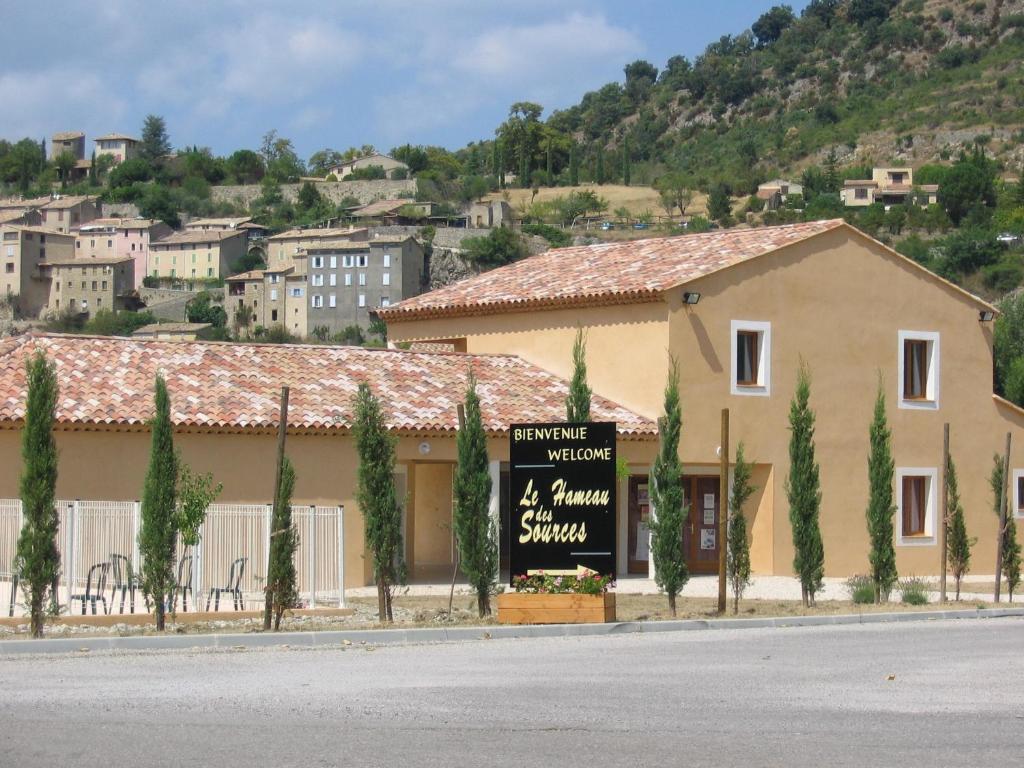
(562, 498)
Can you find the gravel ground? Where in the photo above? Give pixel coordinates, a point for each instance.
(930, 694)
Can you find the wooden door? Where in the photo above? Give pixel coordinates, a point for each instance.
(701, 539)
(638, 539)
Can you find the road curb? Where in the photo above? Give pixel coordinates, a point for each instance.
(337, 638)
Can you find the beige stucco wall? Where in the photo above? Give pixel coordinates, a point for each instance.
(837, 301)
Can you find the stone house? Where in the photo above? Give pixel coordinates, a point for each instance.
(85, 286)
(67, 212)
(120, 239)
(387, 163)
(118, 146)
(25, 251)
(201, 255)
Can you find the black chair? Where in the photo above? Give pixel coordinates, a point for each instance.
(184, 584)
(95, 586)
(125, 579)
(234, 585)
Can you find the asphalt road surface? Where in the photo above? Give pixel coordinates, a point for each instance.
(923, 694)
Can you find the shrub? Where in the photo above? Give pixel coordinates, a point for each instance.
(913, 591)
(861, 589)
(1003, 277)
(557, 238)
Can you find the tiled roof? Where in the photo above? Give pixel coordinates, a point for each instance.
(313, 234)
(255, 274)
(621, 272)
(117, 223)
(68, 202)
(68, 135)
(18, 202)
(224, 222)
(109, 380)
(117, 137)
(199, 236)
(155, 328)
(377, 207)
(87, 261)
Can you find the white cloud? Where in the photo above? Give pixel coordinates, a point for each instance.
(40, 103)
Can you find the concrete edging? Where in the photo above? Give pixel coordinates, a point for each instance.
(459, 634)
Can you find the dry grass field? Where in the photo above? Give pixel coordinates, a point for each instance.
(637, 200)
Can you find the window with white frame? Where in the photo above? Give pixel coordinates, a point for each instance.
(916, 489)
(918, 363)
(1018, 493)
(332, 300)
(751, 357)
(362, 278)
(385, 301)
(318, 280)
(334, 262)
(387, 259)
(385, 278)
(333, 279)
(361, 260)
(348, 278)
(275, 278)
(346, 261)
(296, 293)
(273, 294)
(318, 262)
(318, 301)
(362, 299)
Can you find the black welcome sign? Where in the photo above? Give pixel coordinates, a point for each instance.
(562, 498)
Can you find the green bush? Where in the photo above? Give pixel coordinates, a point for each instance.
(861, 589)
(558, 238)
(1004, 276)
(913, 591)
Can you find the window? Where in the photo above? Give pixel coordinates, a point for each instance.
(860, 193)
(1018, 493)
(209, 271)
(318, 262)
(78, 244)
(318, 301)
(334, 262)
(362, 299)
(103, 285)
(361, 260)
(10, 251)
(918, 369)
(273, 294)
(385, 301)
(274, 279)
(9, 268)
(296, 293)
(751, 358)
(346, 261)
(387, 259)
(362, 278)
(94, 285)
(332, 300)
(348, 278)
(318, 280)
(334, 279)
(110, 243)
(42, 253)
(915, 497)
(273, 315)
(386, 278)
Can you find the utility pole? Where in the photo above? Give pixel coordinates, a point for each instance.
(282, 429)
(723, 509)
(1002, 520)
(945, 513)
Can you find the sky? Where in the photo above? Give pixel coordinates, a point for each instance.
(329, 74)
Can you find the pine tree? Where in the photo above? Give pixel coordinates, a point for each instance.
(625, 162)
(282, 581)
(1011, 549)
(831, 181)
(574, 166)
(958, 545)
(375, 495)
(577, 402)
(881, 509)
(475, 532)
(669, 511)
(803, 490)
(158, 534)
(38, 559)
(599, 166)
(737, 563)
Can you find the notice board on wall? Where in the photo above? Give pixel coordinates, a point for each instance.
(562, 497)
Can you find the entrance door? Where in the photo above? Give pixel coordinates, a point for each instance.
(701, 539)
(639, 534)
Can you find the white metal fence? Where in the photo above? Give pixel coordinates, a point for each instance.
(233, 537)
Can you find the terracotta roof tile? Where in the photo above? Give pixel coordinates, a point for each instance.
(109, 380)
(620, 272)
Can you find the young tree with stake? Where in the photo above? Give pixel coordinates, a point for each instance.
(375, 494)
(803, 490)
(737, 563)
(881, 509)
(282, 581)
(157, 537)
(958, 545)
(1011, 549)
(669, 511)
(577, 403)
(475, 532)
(38, 559)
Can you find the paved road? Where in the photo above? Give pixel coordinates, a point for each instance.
(774, 697)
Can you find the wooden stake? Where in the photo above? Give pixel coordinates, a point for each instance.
(1002, 520)
(282, 430)
(723, 509)
(943, 555)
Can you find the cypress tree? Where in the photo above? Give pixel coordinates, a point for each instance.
(625, 162)
(881, 509)
(375, 495)
(574, 166)
(737, 563)
(282, 581)
(494, 158)
(550, 166)
(666, 524)
(577, 402)
(158, 533)
(475, 532)
(38, 559)
(1011, 549)
(803, 490)
(958, 545)
(599, 166)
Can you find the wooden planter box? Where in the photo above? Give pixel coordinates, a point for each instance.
(526, 608)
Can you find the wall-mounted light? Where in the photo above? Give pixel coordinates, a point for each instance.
(986, 315)
(691, 298)
(424, 448)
